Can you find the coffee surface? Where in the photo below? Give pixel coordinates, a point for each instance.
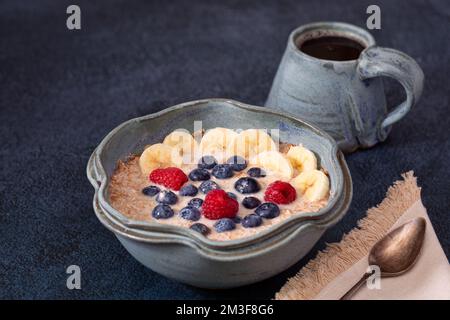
(332, 48)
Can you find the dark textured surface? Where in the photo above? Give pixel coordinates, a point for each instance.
(62, 91)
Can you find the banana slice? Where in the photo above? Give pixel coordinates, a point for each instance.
(251, 142)
(183, 141)
(159, 156)
(302, 159)
(215, 141)
(274, 161)
(314, 184)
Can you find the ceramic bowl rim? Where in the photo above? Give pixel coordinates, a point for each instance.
(219, 255)
(101, 182)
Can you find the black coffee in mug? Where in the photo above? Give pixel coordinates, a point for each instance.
(332, 48)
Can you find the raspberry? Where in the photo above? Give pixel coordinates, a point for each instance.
(280, 192)
(172, 178)
(218, 204)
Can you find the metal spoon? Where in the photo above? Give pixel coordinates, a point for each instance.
(395, 253)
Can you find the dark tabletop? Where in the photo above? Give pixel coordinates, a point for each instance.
(62, 91)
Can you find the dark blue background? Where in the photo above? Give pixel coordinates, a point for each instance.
(62, 91)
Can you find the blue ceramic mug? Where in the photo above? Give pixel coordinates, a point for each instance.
(343, 95)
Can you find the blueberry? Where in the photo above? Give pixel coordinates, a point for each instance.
(207, 162)
(207, 186)
(190, 213)
(167, 197)
(251, 202)
(247, 185)
(256, 172)
(222, 171)
(224, 224)
(237, 219)
(162, 211)
(189, 190)
(196, 203)
(232, 195)
(251, 221)
(199, 175)
(201, 228)
(237, 163)
(268, 210)
(150, 191)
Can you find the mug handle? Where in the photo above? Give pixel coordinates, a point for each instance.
(378, 61)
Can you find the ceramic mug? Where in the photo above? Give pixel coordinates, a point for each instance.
(345, 98)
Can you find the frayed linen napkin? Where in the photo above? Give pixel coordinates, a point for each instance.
(336, 269)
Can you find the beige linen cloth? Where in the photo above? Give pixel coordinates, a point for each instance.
(336, 269)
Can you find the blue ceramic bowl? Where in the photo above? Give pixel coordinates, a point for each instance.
(185, 255)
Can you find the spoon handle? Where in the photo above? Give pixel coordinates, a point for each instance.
(356, 287)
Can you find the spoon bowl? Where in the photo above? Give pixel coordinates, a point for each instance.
(399, 249)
